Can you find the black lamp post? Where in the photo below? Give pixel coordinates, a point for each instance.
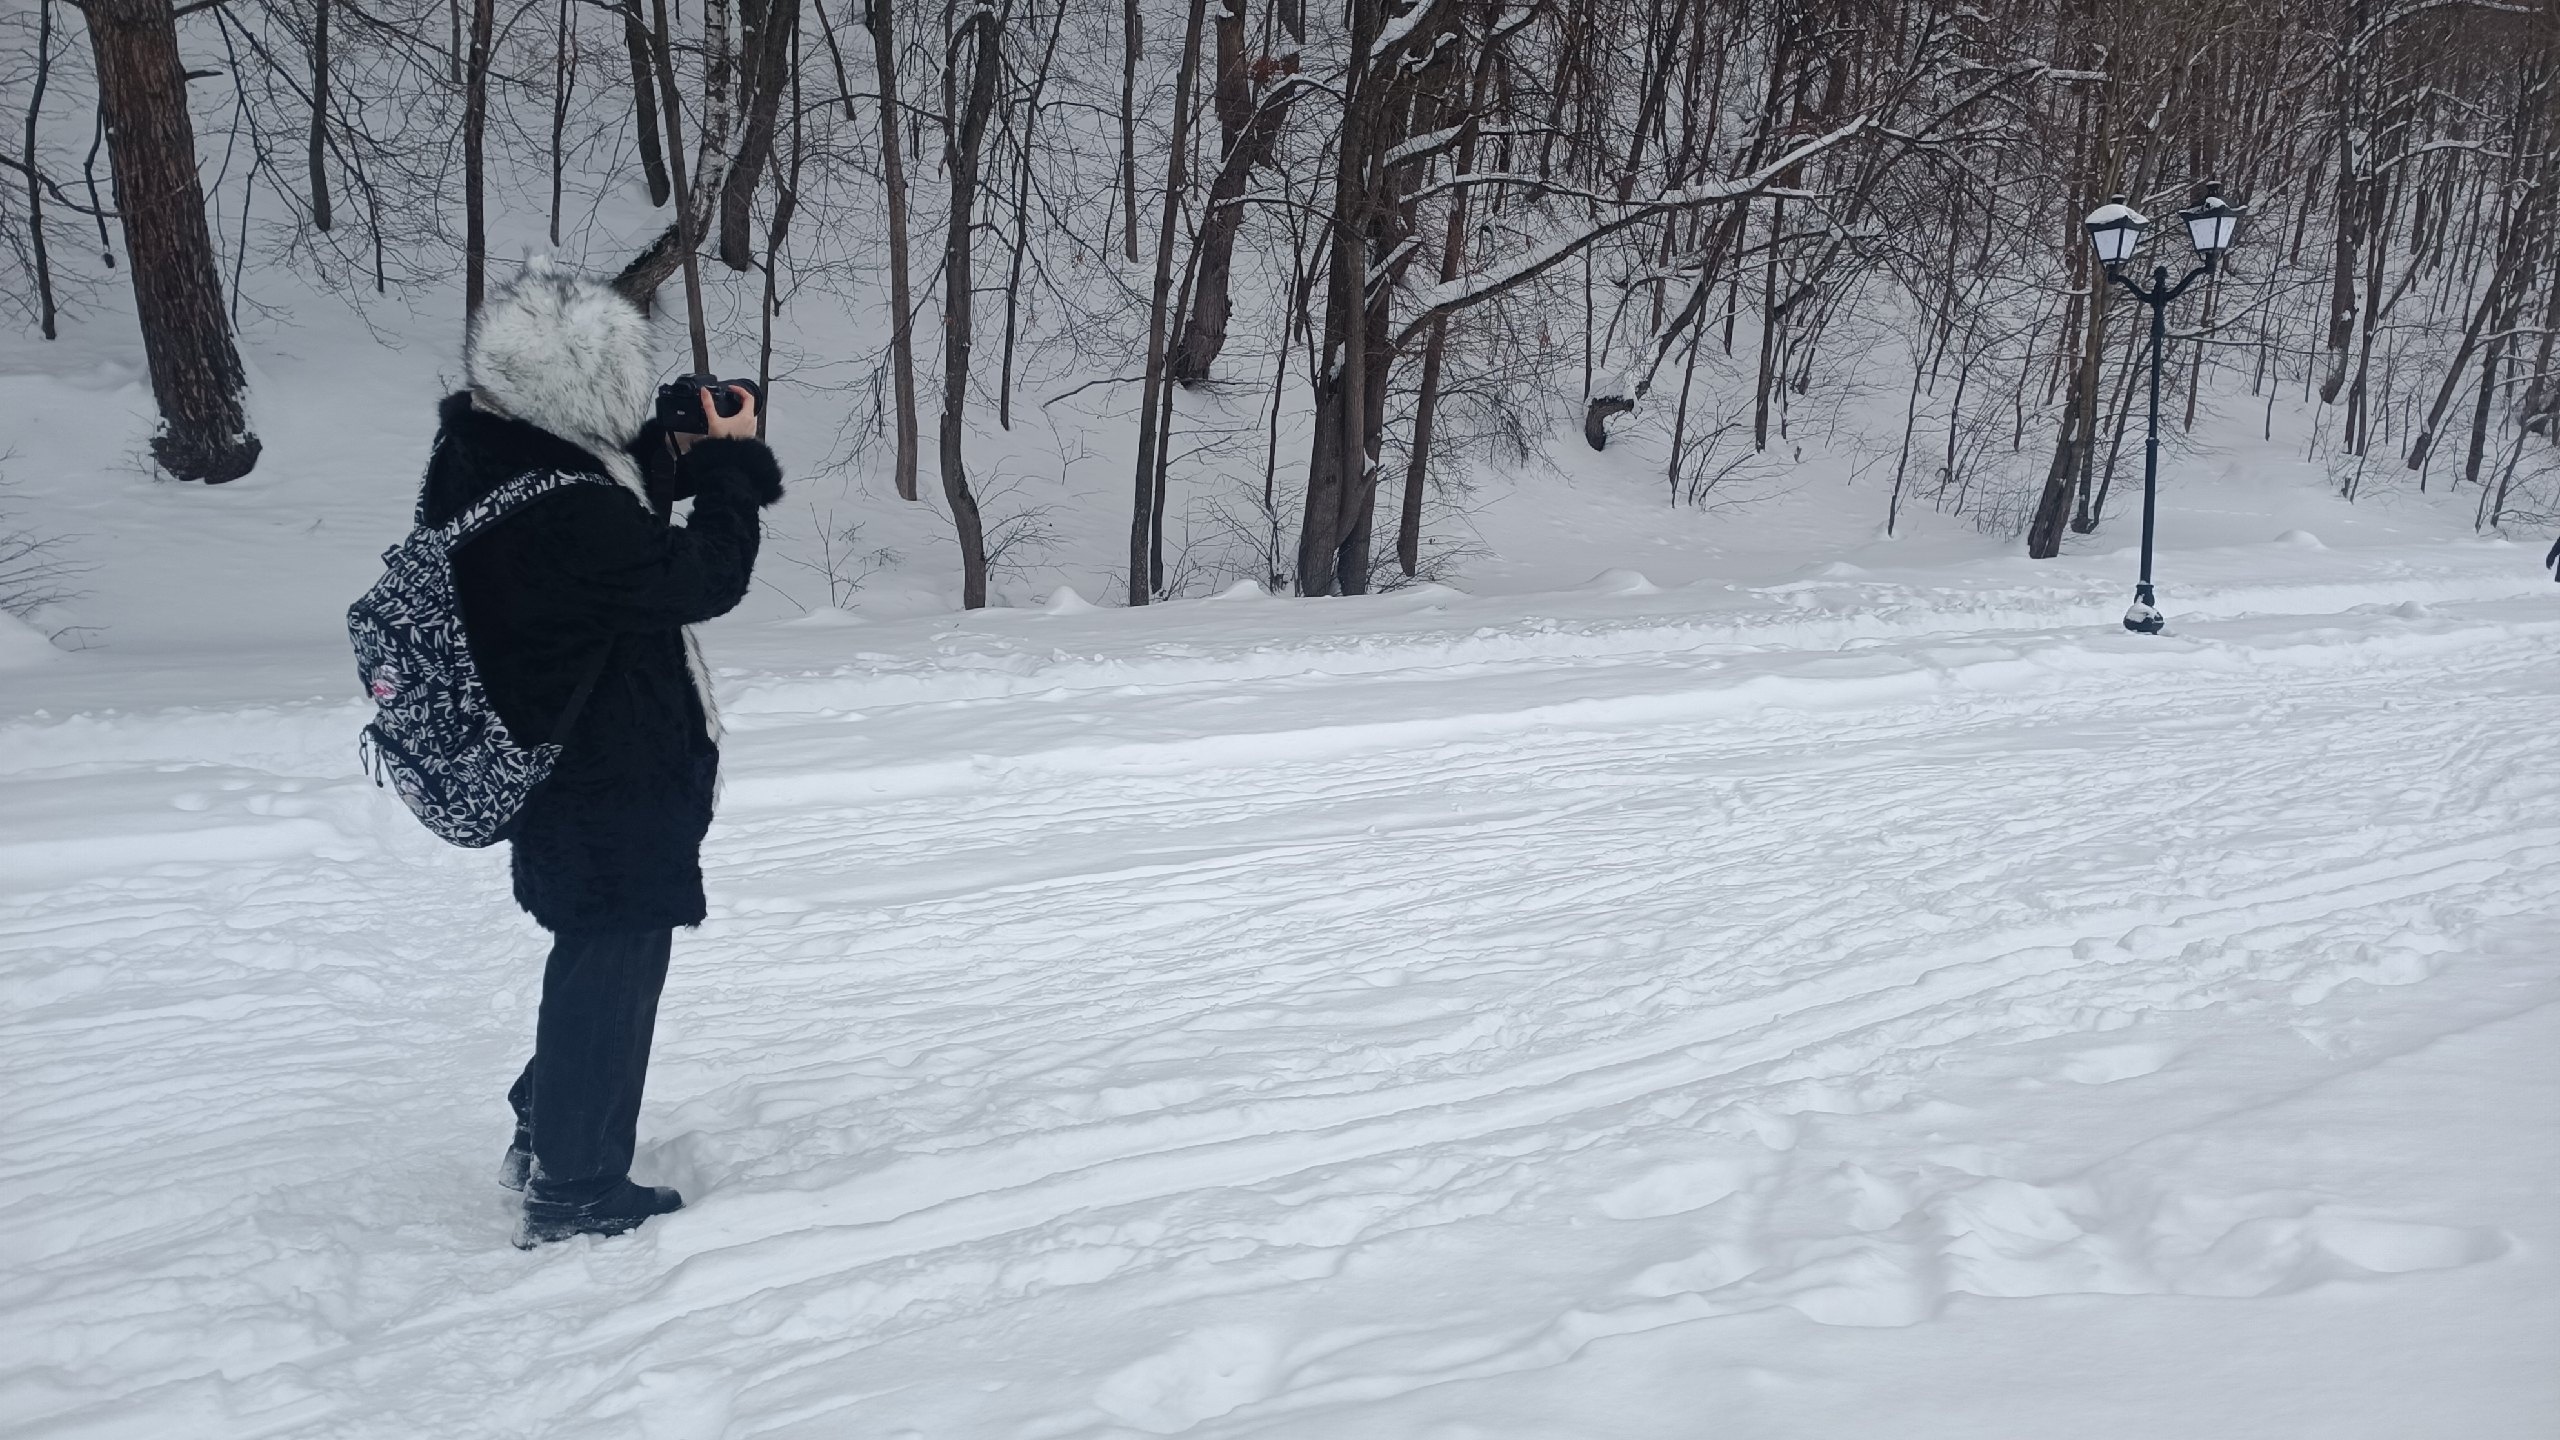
(2116, 229)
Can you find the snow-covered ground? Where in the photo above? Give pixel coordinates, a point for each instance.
(1833, 987)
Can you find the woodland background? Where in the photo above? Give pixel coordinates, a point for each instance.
(1323, 261)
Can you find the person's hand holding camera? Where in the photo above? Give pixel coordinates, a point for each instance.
(696, 408)
(691, 407)
(739, 426)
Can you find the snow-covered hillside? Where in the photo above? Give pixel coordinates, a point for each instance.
(1721, 946)
(1832, 986)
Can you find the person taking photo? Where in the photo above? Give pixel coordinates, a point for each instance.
(575, 608)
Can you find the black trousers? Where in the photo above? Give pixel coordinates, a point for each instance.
(578, 1099)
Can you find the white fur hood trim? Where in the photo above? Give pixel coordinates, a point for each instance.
(700, 669)
(568, 355)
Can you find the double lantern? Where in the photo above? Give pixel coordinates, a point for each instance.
(2116, 229)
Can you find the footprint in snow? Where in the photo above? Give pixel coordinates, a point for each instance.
(2009, 1238)
(1200, 1377)
(1675, 1189)
(2110, 1063)
(683, 1403)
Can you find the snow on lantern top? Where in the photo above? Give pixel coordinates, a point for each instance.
(2115, 228)
(2211, 222)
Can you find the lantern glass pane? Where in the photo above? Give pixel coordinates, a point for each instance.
(2210, 225)
(2115, 228)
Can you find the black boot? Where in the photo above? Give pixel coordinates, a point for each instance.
(551, 1214)
(513, 1170)
(518, 1164)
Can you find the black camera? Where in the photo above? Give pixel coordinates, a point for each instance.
(680, 402)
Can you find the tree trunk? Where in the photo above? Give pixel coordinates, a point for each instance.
(2487, 317)
(1132, 40)
(2541, 397)
(1143, 565)
(719, 106)
(1022, 219)
(564, 79)
(835, 56)
(2357, 423)
(1164, 438)
(475, 125)
(964, 142)
(2084, 407)
(2480, 411)
(678, 247)
(89, 178)
(644, 105)
(320, 212)
(35, 189)
(1247, 130)
(1337, 463)
(1368, 228)
(1770, 319)
(2053, 507)
(642, 285)
(2529, 177)
(893, 178)
(2342, 270)
(767, 72)
(1722, 242)
(2075, 443)
(177, 288)
(786, 200)
(1453, 263)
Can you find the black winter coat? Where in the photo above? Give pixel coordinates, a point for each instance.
(612, 841)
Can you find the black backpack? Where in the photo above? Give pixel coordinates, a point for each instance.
(435, 739)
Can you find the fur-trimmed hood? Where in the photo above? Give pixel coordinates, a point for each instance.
(478, 450)
(569, 356)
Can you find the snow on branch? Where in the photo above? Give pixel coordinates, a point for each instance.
(1423, 146)
(1451, 296)
(2382, 24)
(1401, 27)
(2480, 148)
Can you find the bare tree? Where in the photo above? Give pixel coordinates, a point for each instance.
(644, 103)
(1025, 148)
(177, 291)
(1253, 97)
(475, 128)
(696, 182)
(971, 68)
(765, 72)
(1132, 46)
(1390, 60)
(564, 82)
(318, 148)
(893, 180)
(35, 189)
(2527, 216)
(1146, 548)
(1455, 223)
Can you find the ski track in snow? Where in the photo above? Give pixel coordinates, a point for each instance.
(1219, 1049)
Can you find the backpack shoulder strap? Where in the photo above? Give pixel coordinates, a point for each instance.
(578, 697)
(498, 504)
